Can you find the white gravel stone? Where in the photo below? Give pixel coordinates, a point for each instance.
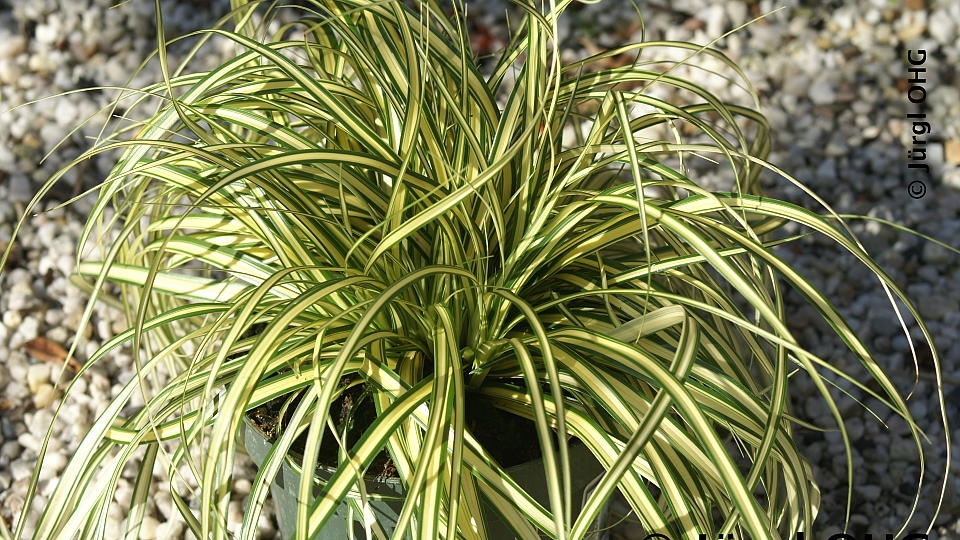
(37, 374)
(943, 27)
(170, 529)
(148, 528)
(11, 45)
(21, 470)
(44, 396)
(20, 189)
(53, 463)
(821, 92)
(737, 11)
(902, 449)
(870, 492)
(12, 319)
(937, 306)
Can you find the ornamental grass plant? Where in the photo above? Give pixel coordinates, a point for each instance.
(355, 202)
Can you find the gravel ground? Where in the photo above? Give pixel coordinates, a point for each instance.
(832, 79)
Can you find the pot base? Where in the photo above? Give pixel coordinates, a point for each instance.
(388, 494)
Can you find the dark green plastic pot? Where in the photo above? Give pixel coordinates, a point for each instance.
(389, 493)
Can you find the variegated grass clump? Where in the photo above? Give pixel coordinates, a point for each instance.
(354, 200)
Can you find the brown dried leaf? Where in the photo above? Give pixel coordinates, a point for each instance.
(44, 350)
